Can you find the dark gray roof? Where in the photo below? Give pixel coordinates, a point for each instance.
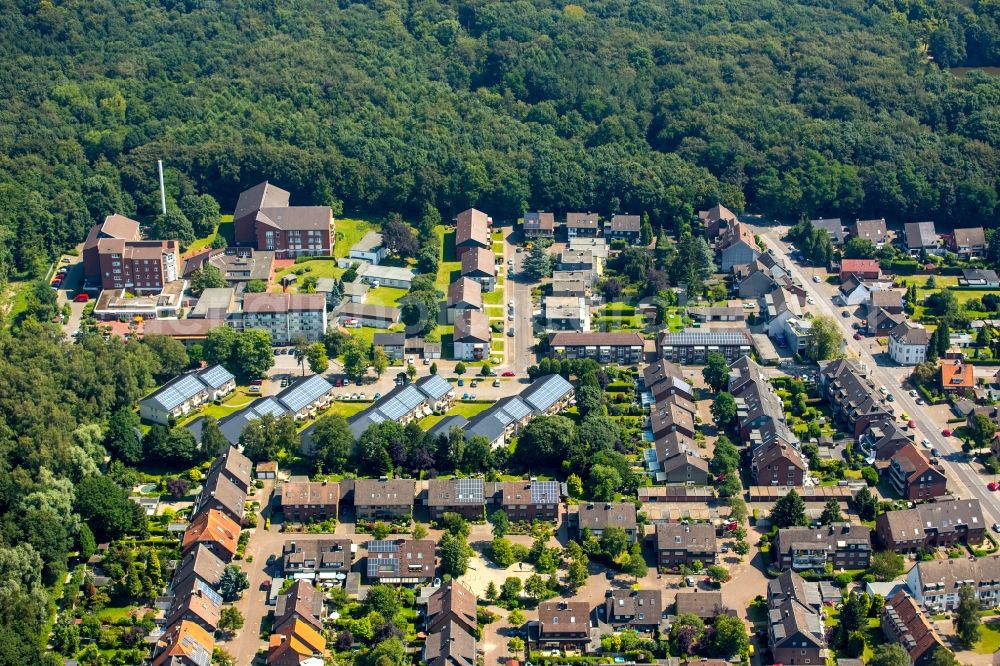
(389, 339)
(444, 426)
(452, 646)
(491, 422)
(834, 227)
(920, 235)
(186, 386)
(546, 391)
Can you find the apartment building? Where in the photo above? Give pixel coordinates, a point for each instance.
(678, 544)
(619, 348)
(914, 476)
(796, 632)
(264, 220)
(940, 524)
(842, 545)
(185, 393)
(287, 317)
(935, 584)
(693, 346)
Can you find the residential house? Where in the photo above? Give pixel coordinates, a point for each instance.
(219, 493)
(201, 563)
(679, 461)
(903, 622)
(935, 584)
(796, 632)
(679, 544)
(401, 562)
(957, 376)
(302, 602)
(882, 440)
(480, 265)
(852, 395)
(842, 545)
(464, 294)
(641, 610)
(369, 249)
(356, 315)
(393, 344)
(619, 348)
(578, 288)
(979, 277)
(737, 247)
(527, 501)
(890, 300)
(287, 317)
(538, 225)
(580, 260)
(599, 516)
(778, 463)
(777, 307)
(928, 526)
(864, 269)
(306, 501)
(872, 230)
(216, 531)
(992, 412)
(673, 414)
(908, 343)
(567, 313)
(693, 346)
(588, 277)
(184, 644)
(472, 230)
(881, 321)
(264, 220)
(624, 227)
(798, 334)
(194, 601)
(316, 559)
(472, 336)
(383, 499)
(706, 605)
(913, 476)
(716, 220)
(186, 393)
(298, 644)
(386, 276)
(234, 466)
(762, 276)
(596, 246)
(663, 379)
(238, 265)
(464, 497)
(834, 228)
(921, 237)
(548, 395)
(564, 625)
(967, 243)
(716, 313)
(582, 224)
(450, 646)
(451, 603)
(500, 421)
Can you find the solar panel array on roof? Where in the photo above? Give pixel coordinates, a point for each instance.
(216, 376)
(208, 592)
(707, 338)
(179, 390)
(267, 406)
(434, 386)
(196, 651)
(402, 403)
(303, 394)
(517, 408)
(382, 546)
(470, 490)
(544, 492)
(546, 391)
(377, 566)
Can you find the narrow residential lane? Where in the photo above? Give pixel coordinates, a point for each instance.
(963, 478)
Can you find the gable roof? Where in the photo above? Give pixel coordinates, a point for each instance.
(910, 334)
(694, 538)
(218, 490)
(297, 640)
(452, 646)
(859, 266)
(479, 260)
(920, 235)
(904, 622)
(261, 195)
(452, 599)
(201, 563)
(465, 290)
(873, 230)
(970, 237)
(188, 385)
(703, 604)
(957, 375)
(184, 643)
(581, 220)
(195, 598)
(234, 465)
(834, 227)
(471, 326)
(212, 527)
(626, 223)
(941, 517)
(301, 601)
(912, 462)
(384, 492)
(545, 392)
(602, 515)
(472, 228)
(539, 220)
(563, 617)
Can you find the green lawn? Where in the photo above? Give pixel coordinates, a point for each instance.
(225, 228)
(239, 399)
(989, 639)
(367, 333)
(494, 297)
(449, 267)
(385, 296)
(921, 280)
(318, 268)
(347, 409)
(349, 232)
(466, 409)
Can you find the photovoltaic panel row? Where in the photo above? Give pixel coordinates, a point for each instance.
(544, 492)
(382, 546)
(378, 565)
(517, 408)
(183, 388)
(269, 406)
(216, 376)
(470, 490)
(206, 591)
(305, 393)
(435, 386)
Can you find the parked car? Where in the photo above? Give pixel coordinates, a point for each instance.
(376, 396)
(81, 298)
(465, 396)
(934, 452)
(920, 401)
(817, 279)
(946, 432)
(845, 314)
(857, 336)
(992, 487)
(496, 383)
(473, 384)
(890, 398)
(507, 373)
(911, 423)
(510, 333)
(913, 394)
(461, 382)
(926, 443)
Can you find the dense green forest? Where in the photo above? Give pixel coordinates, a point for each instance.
(816, 107)
(819, 107)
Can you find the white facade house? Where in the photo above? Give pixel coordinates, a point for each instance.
(798, 333)
(935, 584)
(908, 343)
(185, 393)
(370, 248)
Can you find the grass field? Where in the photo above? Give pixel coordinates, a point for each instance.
(366, 334)
(466, 409)
(449, 267)
(318, 268)
(239, 399)
(921, 280)
(385, 296)
(349, 232)
(494, 297)
(225, 228)
(989, 638)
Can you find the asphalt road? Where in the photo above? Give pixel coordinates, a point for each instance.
(963, 479)
(519, 353)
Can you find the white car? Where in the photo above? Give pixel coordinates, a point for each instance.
(811, 300)
(816, 279)
(926, 443)
(913, 394)
(920, 401)
(510, 262)
(883, 390)
(510, 304)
